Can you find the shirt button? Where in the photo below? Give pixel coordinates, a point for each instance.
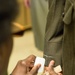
(63, 14)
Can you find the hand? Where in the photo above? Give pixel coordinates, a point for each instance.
(25, 67)
(27, 3)
(50, 69)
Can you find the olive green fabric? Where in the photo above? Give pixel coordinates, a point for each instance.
(60, 35)
(39, 10)
(69, 38)
(54, 32)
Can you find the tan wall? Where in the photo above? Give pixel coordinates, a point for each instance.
(24, 15)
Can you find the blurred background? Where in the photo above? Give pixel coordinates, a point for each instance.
(28, 31)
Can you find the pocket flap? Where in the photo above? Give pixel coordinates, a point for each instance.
(68, 12)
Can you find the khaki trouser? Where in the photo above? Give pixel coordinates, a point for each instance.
(39, 10)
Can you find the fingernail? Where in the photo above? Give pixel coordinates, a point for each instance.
(52, 62)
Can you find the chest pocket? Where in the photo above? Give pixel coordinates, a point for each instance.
(68, 12)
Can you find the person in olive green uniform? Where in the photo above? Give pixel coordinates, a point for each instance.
(60, 35)
(69, 38)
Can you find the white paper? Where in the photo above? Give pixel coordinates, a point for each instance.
(41, 61)
(57, 69)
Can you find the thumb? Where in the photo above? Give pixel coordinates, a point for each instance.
(51, 67)
(51, 64)
(59, 73)
(35, 69)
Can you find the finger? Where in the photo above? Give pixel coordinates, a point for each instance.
(46, 68)
(27, 68)
(51, 68)
(51, 64)
(29, 61)
(23, 63)
(60, 74)
(31, 58)
(35, 69)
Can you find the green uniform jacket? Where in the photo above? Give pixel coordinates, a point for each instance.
(60, 35)
(54, 32)
(69, 38)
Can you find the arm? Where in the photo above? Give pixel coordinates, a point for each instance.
(27, 3)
